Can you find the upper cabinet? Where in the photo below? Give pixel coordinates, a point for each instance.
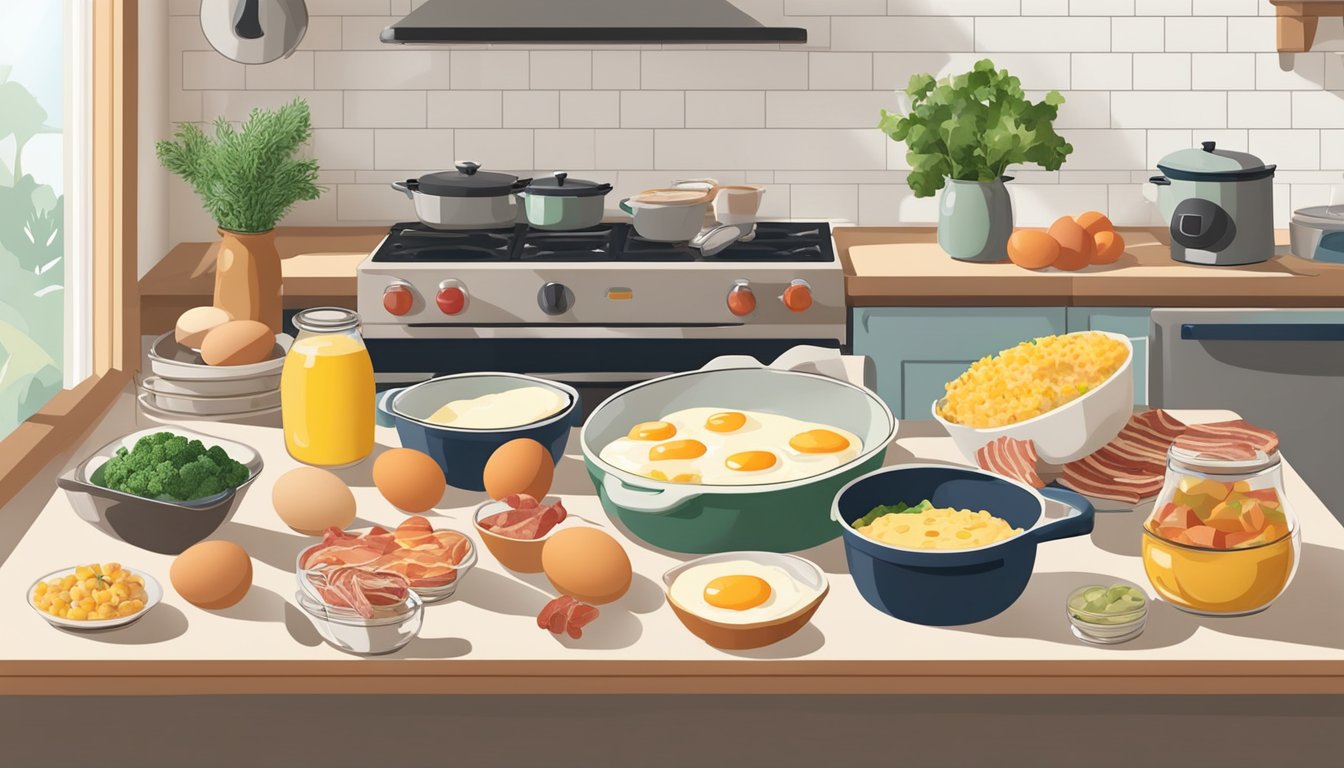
(1298, 19)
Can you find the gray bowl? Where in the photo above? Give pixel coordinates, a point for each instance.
(163, 526)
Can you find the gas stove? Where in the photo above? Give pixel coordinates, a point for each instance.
(600, 301)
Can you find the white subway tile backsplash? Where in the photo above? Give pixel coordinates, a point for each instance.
(566, 149)
(590, 109)
(902, 33)
(405, 148)
(826, 109)
(725, 109)
(531, 109)
(465, 109)
(1162, 71)
(561, 70)
(385, 109)
(653, 109)
(1288, 149)
(1042, 34)
(723, 70)
(1140, 78)
(1103, 71)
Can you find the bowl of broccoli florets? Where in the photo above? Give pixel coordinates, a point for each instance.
(162, 490)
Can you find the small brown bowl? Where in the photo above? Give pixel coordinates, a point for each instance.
(741, 637)
(518, 555)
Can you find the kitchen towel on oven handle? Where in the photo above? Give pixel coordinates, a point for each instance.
(806, 358)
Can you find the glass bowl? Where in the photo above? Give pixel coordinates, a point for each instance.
(346, 630)
(1221, 582)
(1104, 628)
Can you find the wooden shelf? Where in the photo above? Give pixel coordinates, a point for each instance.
(1298, 20)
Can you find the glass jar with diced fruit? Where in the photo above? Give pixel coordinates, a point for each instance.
(1222, 539)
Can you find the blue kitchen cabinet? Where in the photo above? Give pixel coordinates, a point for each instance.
(1131, 322)
(917, 350)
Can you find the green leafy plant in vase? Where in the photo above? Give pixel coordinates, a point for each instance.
(248, 178)
(962, 133)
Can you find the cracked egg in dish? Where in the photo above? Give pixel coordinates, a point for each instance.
(739, 592)
(715, 446)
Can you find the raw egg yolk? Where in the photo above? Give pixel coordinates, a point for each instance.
(737, 592)
(677, 449)
(750, 461)
(682, 477)
(728, 421)
(818, 441)
(652, 430)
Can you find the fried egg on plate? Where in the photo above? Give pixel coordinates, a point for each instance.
(739, 592)
(720, 446)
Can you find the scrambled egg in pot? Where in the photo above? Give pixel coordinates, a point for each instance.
(925, 526)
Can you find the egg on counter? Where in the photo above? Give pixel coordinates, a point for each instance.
(410, 480)
(311, 500)
(519, 466)
(195, 323)
(739, 592)
(587, 564)
(212, 574)
(237, 342)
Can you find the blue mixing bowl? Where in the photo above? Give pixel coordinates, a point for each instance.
(462, 453)
(942, 588)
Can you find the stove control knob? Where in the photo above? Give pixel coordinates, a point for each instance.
(741, 299)
(398, 299)
(555, 298)
(451, 298)
(798, 296)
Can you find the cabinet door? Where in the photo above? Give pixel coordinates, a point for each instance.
(917, 350)
(1131, 322)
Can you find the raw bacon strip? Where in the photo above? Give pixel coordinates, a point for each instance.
(527, 520)
(1232, 440)
(416, 552)
(358, 588)
(578, 617)
(1131, 467)
(565, 615)
(1011, 458)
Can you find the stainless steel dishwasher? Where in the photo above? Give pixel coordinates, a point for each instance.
(1282, 369)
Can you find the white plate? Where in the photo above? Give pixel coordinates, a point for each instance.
(171, 360)
(209, 406)
(262, 417)
(211, 388)
(153, 595)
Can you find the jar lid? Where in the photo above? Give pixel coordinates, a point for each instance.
(1192, 461)
(562, 185)
(467, 181)
(326, 320)
(1209, 163)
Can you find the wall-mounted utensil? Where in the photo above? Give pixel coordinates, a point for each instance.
(254, 31)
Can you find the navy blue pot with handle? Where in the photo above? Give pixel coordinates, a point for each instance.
(949, 587)
(462, 453)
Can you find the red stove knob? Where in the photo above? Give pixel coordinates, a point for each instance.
(741, 299)
(798, 296)
(451, 298)
(398, 299)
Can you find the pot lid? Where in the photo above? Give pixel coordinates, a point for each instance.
(1209, 163)
(562, 185)
(467, 181)
(1320, 215)
(671, 197)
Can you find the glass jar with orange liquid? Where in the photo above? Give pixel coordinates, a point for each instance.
(1222, 539)
(327, 390)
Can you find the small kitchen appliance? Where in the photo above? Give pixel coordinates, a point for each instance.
(1318, 233)
(599, 308)
(1219, 205)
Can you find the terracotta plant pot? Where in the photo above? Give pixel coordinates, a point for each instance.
(247, 277)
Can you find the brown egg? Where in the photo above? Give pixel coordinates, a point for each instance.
(1075, 245)
(587, 564)
(519, 466)
(410, 480)
(1094, 223)
(212, 574)
(1032, 249)
(237, 342)
(195, 323)
(311, 500)
(1110, 247)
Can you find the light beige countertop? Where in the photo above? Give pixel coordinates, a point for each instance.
(485, 638)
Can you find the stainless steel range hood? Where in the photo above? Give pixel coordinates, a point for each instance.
(584, 21)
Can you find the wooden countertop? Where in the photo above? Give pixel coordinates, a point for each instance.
(905, 267)
(485, 638)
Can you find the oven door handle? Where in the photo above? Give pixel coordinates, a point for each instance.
(1262, 331)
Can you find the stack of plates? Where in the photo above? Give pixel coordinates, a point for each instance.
(182, 384)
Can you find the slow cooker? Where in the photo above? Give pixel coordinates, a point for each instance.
(1219, 205)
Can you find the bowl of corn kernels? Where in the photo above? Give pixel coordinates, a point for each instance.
(94, 596)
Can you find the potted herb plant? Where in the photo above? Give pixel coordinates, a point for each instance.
(962, 133)
(247, 178)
